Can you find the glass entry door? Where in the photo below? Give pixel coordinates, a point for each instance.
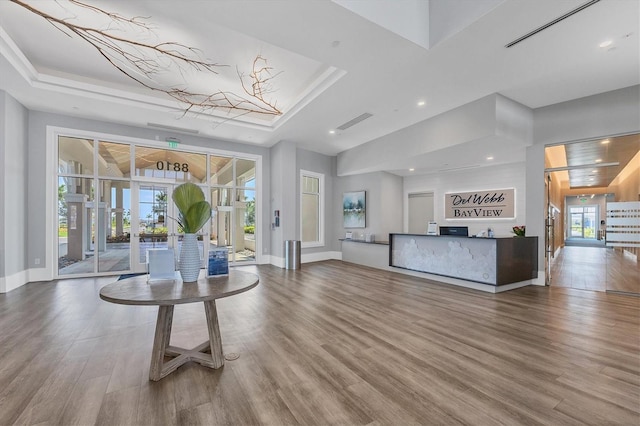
(153, 223)
(583, 222)
(114, 203)
(233, 199)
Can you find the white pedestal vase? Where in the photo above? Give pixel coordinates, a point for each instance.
(189, 258)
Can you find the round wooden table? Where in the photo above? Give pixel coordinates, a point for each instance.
(167, 294)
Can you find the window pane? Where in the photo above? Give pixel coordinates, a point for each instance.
(221, 196)
(310, 184)
(75, 156)
(245, 171)
(114, 159)
(221, 169)
(75, 226)
(310, 217)
(221, 230)
(165, 163)
(245, 219)
(114, 226)
(153, 209)
(151, 223)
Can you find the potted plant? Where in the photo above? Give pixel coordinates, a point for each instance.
(193, 213)
(519, 230)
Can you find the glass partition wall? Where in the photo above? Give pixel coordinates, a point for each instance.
(115, 203)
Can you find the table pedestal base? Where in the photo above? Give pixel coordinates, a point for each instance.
(208, 354)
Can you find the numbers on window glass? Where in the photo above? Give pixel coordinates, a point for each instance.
(176, 167)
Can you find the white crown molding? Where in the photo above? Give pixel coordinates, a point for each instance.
(16, 58)
(43, 81)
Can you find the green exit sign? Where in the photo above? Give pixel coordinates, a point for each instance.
(173, 144)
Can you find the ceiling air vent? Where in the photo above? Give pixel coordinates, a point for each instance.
(177, 129)
(553, 22)
(355, 121)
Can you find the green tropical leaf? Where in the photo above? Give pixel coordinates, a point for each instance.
(196, 217)
(185, 195)
(193, 210)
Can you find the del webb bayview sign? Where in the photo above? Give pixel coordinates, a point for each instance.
(494, 204)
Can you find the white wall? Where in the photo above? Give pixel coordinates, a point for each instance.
(409, 18)
(384, 204)
(283, 196)
(3, 199)
(13, 193)
(448, 17)
(611, 113)
(481, 179)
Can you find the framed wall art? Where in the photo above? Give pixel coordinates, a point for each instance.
(354, 209)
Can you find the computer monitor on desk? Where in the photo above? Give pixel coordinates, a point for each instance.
(462, 231)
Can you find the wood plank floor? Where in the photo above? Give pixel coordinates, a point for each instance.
(596, 268)
(330, 344)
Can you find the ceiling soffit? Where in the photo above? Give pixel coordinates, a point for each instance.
(493, 122)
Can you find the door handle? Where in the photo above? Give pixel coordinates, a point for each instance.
(553, 238)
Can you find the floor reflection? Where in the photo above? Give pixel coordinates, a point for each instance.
(596, 268)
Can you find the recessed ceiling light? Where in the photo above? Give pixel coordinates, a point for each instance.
(605, 43)
(421, 103)
(332, 132)
(411, 169)
(594, 171)
(489, 158)
(606, 141)
(591, 179)
(599, 160)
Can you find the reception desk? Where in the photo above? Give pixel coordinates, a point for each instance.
(489, 261)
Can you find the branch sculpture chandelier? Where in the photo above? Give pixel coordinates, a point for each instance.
(146, 62)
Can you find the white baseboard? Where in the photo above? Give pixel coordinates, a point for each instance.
(308, 258)
(318, 257)
(24, 277)
(540, 280)
(40, 274)
(277, 261)
(11, 282)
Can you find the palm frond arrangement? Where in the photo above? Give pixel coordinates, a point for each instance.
(193, 210)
